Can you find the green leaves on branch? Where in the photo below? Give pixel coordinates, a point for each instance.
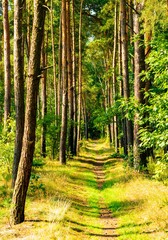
(155, 135)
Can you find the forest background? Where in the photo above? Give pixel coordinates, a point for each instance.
(73, 70)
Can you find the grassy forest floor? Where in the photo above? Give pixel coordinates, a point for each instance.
(94, 196)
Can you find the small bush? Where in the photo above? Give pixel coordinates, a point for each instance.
(159, 170)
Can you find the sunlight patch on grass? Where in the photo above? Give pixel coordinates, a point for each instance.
(140, 204)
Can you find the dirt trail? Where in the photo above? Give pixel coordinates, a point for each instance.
(107, 221)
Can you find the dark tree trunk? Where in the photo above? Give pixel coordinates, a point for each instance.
(18, 84)
(43, 101)
(114, 81)
(25, 165)
(7, 74)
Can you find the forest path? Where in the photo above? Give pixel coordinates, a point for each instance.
(100, 155)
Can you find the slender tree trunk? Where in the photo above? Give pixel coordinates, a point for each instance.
(125, 75)
(123, 141)
(85, 117)
(28, 29)
(59, 94)
(54, 61)
(63, 136)
(43, 101)
(80, 79)
(114, 81)
(70, 78)
(18, 84)
(74, 81)
(110, 127)
(25, 165)
(7, 74)
(139, 58)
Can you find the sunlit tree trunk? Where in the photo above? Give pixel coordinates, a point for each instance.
(74, 81)
(80, 79)
(70, 78)
(25, 165)
(18, 84)
(114, 81)
(63, 136)
(7, 74)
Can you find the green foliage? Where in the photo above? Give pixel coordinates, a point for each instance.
(52, 125)
(156, 133)
(35, 184)
(159, 169)
(38, 162)
(7, 137)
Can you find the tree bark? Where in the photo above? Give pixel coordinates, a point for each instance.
(59, 94)
(43, 101)
(80, 79)
(74, 81)
(70, 78)
(7, 74)
(54, 62)
(63, 136)
(18, 84)
(125, 75)
(25, 165)
(114, 81)
(139, 58)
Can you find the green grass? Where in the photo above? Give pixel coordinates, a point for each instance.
(139, 204)
(63, 201)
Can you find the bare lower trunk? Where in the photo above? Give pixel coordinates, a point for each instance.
(18, 85)
(25, 165)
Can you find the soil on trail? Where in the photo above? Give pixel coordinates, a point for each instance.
(107, 221)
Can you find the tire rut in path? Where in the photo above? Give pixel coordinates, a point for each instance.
(107, 221)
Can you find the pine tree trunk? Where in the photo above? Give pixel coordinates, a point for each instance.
(43, 101)
(59, 93)
(25, 165)
(54, 61)
(114, 81)
(80, 79)
(125, 75)
(7, 74)
(139, 58)
(74, 81)
(18, 85)
(63, 136)
(70, 78)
